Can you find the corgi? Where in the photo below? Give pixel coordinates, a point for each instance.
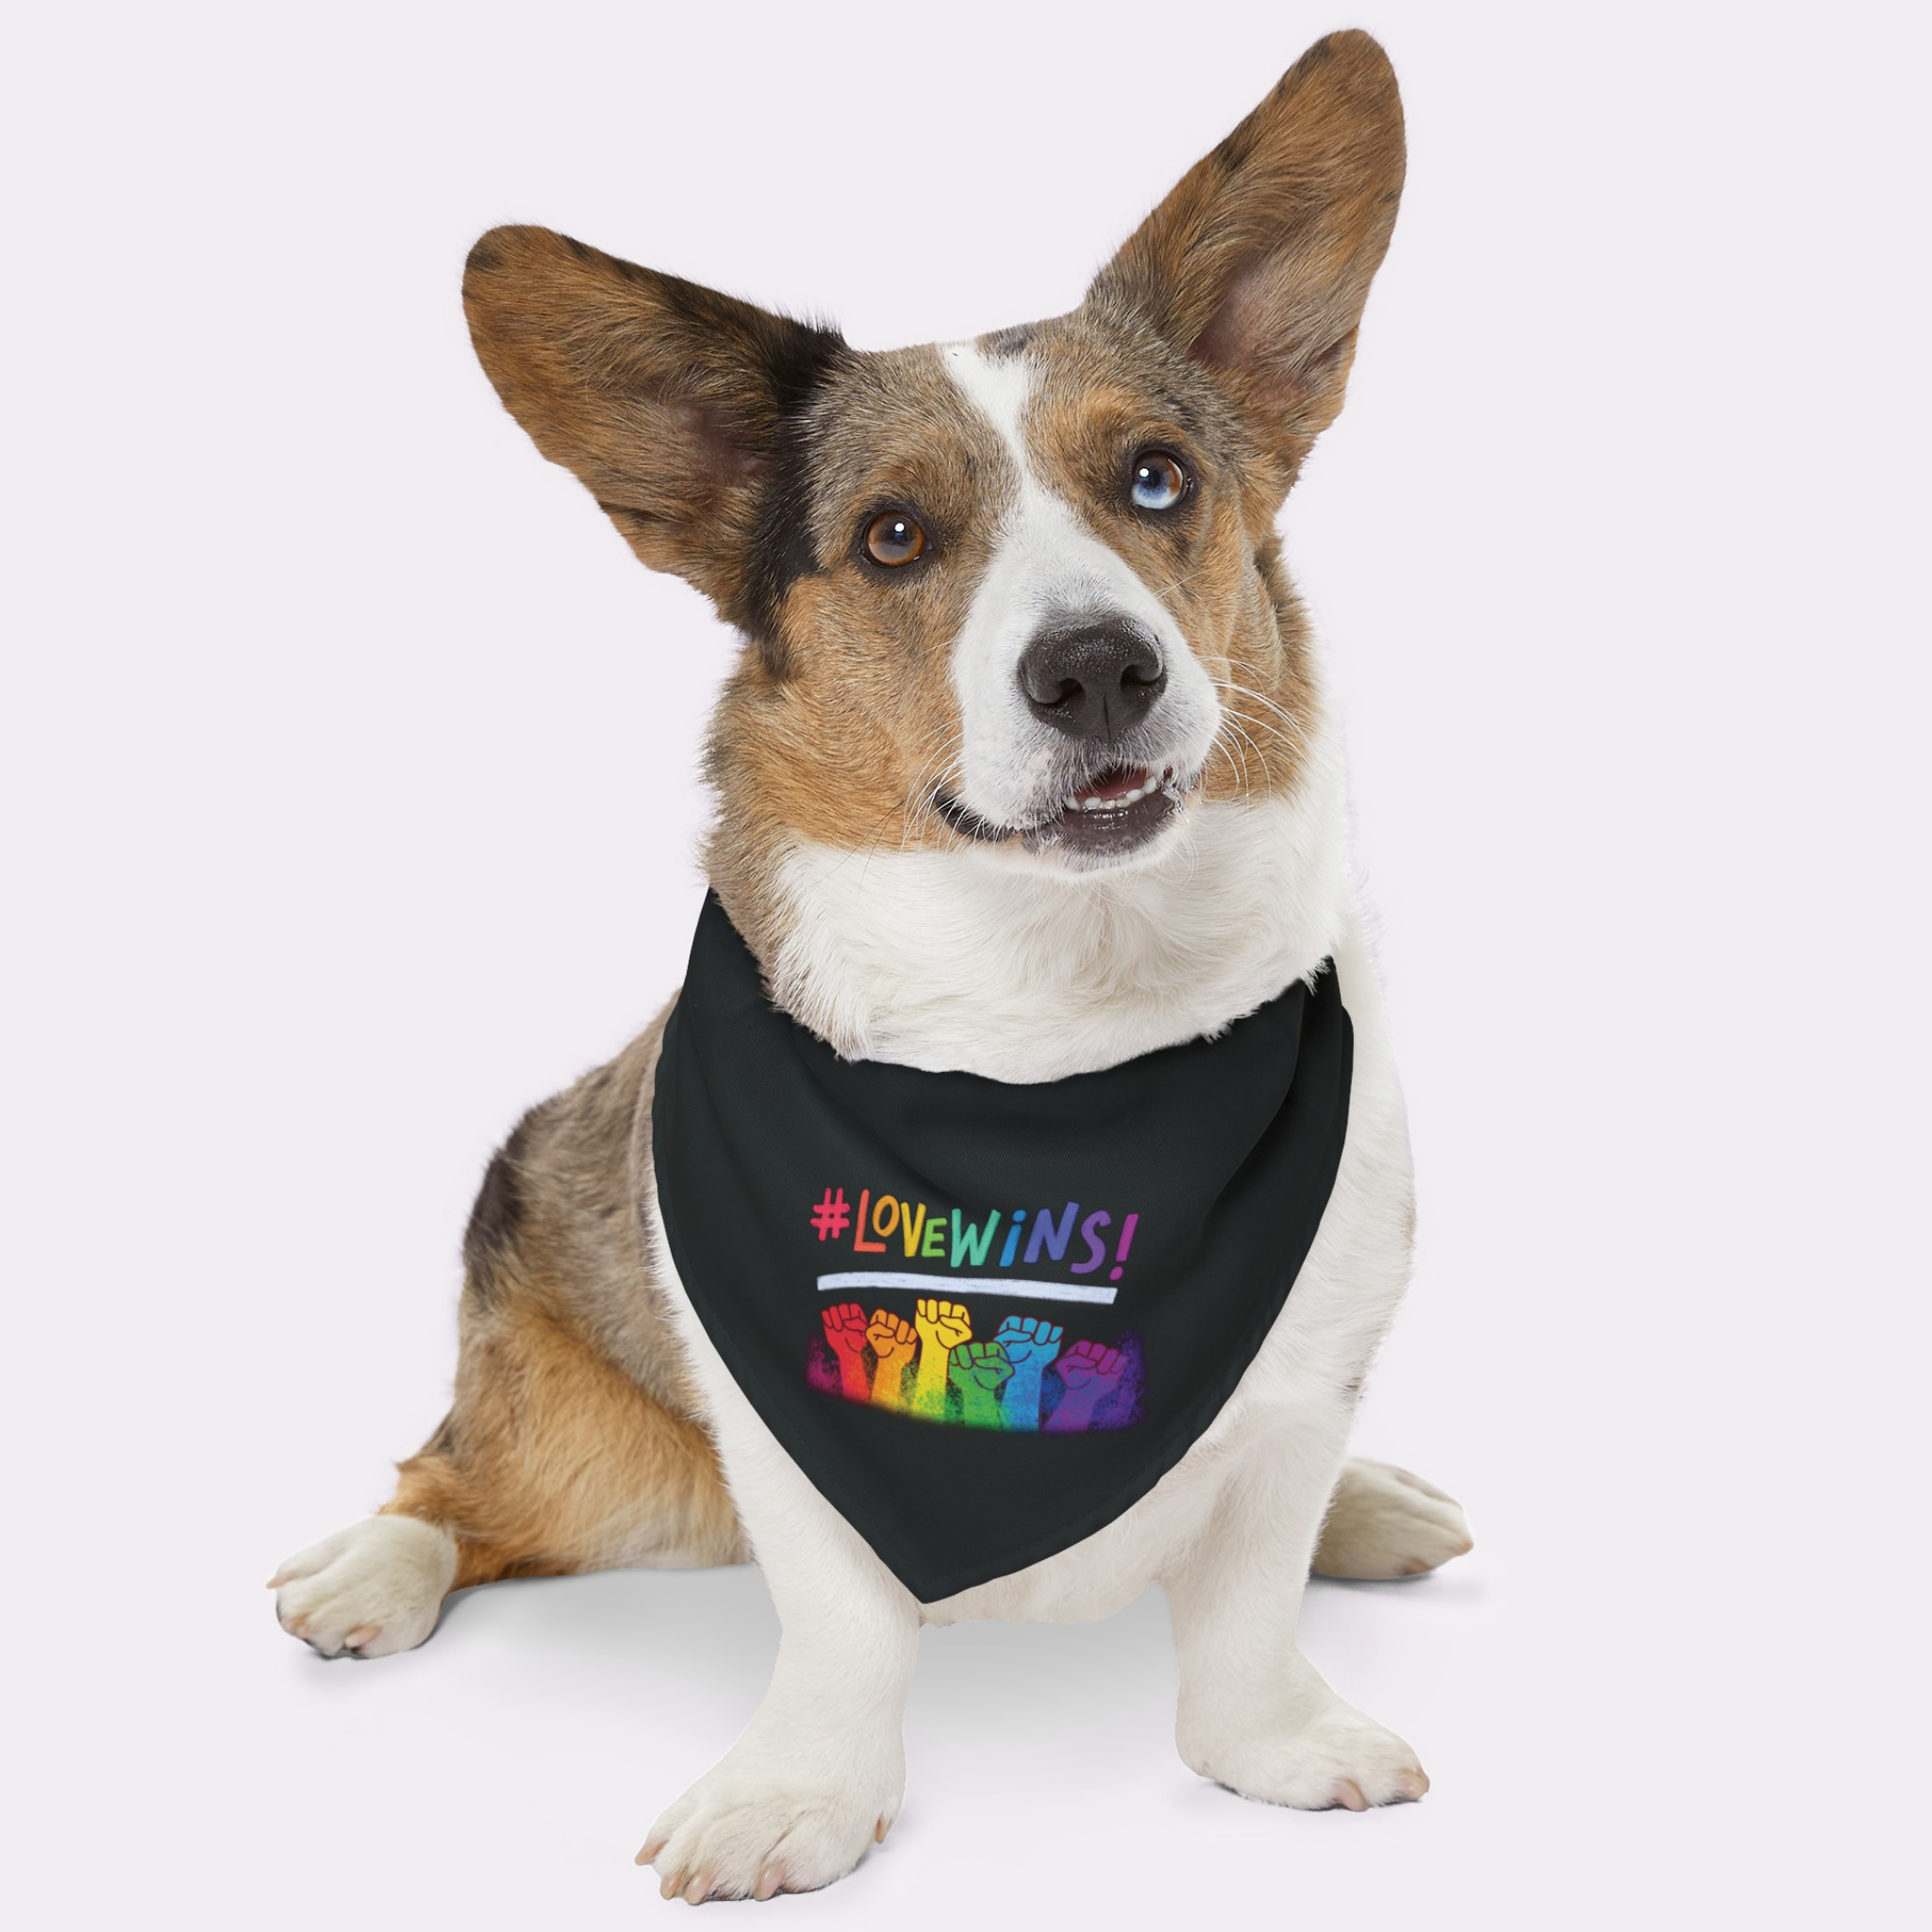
(1024, 769)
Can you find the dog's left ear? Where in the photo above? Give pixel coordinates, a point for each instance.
(1258, 263)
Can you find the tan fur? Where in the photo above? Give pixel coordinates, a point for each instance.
(554, 1461)
(573, 1441)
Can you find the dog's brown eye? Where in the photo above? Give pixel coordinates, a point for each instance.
(893, 539)
(1158, 482)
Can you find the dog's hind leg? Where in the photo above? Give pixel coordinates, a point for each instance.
(571, 1444)
(552, 1461)
(1382, 1522)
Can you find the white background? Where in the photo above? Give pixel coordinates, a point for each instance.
(349, 767)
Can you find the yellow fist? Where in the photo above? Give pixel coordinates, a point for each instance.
(942, 1325)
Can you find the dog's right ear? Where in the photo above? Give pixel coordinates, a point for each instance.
(666, 399)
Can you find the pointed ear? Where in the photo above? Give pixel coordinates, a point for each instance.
(1258, 263)
(667, 400)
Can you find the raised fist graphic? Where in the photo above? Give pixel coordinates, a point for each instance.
(1090, 1372)
(1026, 1340)
(845, 1331)
(943, 1325)
(1030, 1344)
(1087, 1362)
(980, 1365)
(892, 1341)
(846, 1328)
(978, 1370)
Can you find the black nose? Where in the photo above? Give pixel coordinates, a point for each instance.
(1093, 680)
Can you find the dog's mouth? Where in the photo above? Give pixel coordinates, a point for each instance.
(1108, 813)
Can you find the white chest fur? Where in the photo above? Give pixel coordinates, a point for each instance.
(955, 960)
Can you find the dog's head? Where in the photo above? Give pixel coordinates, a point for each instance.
(1020, 598)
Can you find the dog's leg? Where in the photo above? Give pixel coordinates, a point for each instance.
(371, 1590)
(572, 1443)
(552, 1461)
(1385, 1523)
(819, 1772)
(1254, 1712)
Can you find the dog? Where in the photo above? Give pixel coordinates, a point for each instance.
(957, 835)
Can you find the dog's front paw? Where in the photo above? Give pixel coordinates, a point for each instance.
(1339, 1757)
(1386, 1523)
(372, 1588)
(752, 1827)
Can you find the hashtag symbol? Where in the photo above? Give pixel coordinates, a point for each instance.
(831, 1216)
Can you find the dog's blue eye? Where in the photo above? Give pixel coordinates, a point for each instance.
(1158, 481)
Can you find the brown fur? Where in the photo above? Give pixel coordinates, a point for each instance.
(746, 453)
(573, 1442)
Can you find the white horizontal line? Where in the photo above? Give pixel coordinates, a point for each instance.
(960, 1284)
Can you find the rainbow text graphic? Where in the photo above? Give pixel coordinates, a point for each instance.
(1084, 1242)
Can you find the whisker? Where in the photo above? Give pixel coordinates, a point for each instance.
(918, 796)
(1290, 725)
(879, 833)
(1281, 727)
(1188, 580)
(1247, 738)
(914, 805)
(1238, 773)
(923, 794)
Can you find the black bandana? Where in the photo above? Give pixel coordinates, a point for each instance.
(983, 1318)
